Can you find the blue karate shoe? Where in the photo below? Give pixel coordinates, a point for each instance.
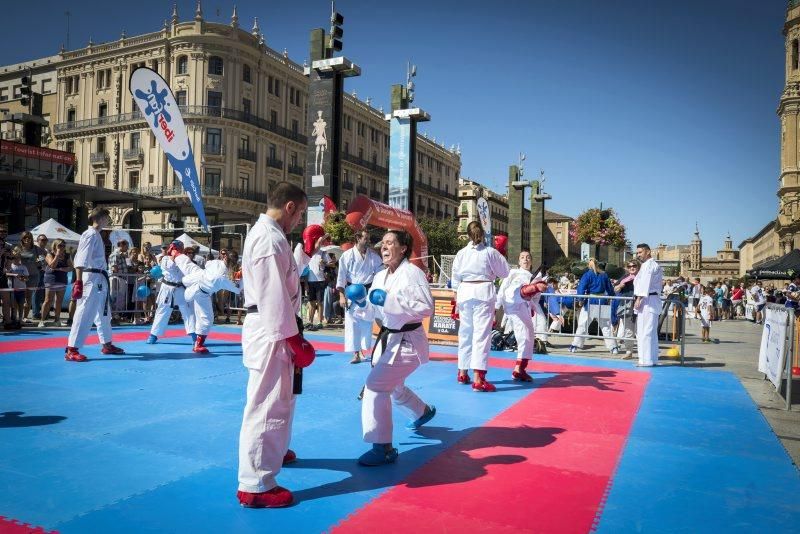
(378, 455)
(194, 337)
(430, 411)
(151, 340)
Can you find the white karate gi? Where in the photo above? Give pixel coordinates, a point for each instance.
(93, 307)
(357, 268)
(408, 300)
(271, 282)
(200, 285)
(475, 268)
(169, 296)
(647, 285)
(518, 311)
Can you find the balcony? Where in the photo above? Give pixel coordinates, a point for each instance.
(133, 154)
(296, 169)
(247, 154)
(99, 159)
(347, 186)
(188, 112)
(213, 150)
(275, 163)
(361, 190)
(206, 191)
(366, 164)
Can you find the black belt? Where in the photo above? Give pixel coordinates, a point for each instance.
(174, 284)
(108, 287)
(383, 335)
(652, 294)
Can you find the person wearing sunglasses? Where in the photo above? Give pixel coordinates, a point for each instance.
(57, 265)
(623, 321)
(32, 256)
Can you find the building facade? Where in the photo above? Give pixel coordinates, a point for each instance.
(688, 260)
(244, 105)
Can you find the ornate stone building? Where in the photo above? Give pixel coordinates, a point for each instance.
(244, 105)
(688, 260)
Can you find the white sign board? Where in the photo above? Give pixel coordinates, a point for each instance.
(772, 356)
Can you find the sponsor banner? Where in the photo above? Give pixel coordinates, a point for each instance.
(321, 123)
(400, 163)
(442, 329)
(772, 355)
(35, 152)
(485, 217)
(157, 103)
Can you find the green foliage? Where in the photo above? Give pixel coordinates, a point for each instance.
(598, 227)
(442, 236)
(566, 265)
(336, 226)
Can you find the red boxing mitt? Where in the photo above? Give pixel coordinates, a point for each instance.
(304, 352)
(454, 310)
(528, 291)
(310, 236)
(77, 290)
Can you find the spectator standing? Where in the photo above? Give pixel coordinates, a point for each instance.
(17, 272)
(706, 308)
(647, 306)
(32, 257)
(57, 265)
(759, 301)
(737, 297)
(119, 266)
(6, 297)
(38, 295)
(594, 281)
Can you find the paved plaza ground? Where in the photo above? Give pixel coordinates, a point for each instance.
(147, 442)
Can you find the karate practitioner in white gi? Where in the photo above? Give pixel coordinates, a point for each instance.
(357, 265)
(647, 289)
(272, 347)
(475, 269)
(171, 294)
(400, 298)
(201, 284)
(90, 290)
(517, 309)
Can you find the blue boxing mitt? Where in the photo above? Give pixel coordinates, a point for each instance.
(377, 297)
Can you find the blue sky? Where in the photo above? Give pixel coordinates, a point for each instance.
(663, 110)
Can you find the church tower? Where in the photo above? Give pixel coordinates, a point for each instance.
(696, 251)
(788, 224)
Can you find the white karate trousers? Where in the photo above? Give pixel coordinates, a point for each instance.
(90, 309)
(386, 385)
(269, 410)
(522, 324)
(475, 333)
(203, 310)
(540, 322)
(602, 314)
(168, 295)
(357, 332)
(647, 331)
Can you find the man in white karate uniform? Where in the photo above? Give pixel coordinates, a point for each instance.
(647, 290)
(272, 346)
(357, 265)
(171, 294)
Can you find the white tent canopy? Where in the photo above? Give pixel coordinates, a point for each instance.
(118, 235)
(53, 230)
(188, 241)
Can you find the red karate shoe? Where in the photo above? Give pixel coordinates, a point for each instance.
(199, 345)
(481, 384)
(110, 348)
(463, 378)
(521, 374)
(71, 354)
(289, 458)
(277, 497)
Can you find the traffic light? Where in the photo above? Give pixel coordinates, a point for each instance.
(336, 33)
(25, 91)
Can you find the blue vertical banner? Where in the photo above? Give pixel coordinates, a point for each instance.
(156, 101)
(400, 163)
(485, 218)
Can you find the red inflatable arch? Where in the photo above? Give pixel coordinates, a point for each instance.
(365, 211)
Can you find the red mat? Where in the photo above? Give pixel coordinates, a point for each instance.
(542, 465)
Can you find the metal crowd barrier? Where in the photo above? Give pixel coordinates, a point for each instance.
(671, 327)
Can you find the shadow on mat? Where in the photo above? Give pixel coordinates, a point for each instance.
(162, 356)
(595, 379)
(25, 332)
(13, 420)
(452, 449)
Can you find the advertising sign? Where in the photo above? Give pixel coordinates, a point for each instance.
(157, 103)
(485, 218)
(400, 163)
(771, 356)
(322, 124)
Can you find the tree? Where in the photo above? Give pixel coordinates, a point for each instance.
(442, 236)
(601, 228)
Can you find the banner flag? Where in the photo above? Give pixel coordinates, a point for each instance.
(400, 163)
(156, 101)
(485, 218)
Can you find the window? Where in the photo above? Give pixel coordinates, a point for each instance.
(214, 99)
(135, 137)
(152, 140)
(101, 180)
(273, 151)
(297, 101)
(214, 137)
(215, 65)
(270, 82)
(3, 94)
(795, 53)
(346, 147)
(183, 65)
(246, 73)
(246, 106)
(180, 98)
(102, 110)
(154, 65)
(361, 153)
(101, 145)
(133, 179)
(295, 126)
(69, 147)
(103, 79)
(277, 88)
(293, 159)
(151, 179)
(213, 179)
(244, 143)
(16, 90)
(273, 117)
(244, 182)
